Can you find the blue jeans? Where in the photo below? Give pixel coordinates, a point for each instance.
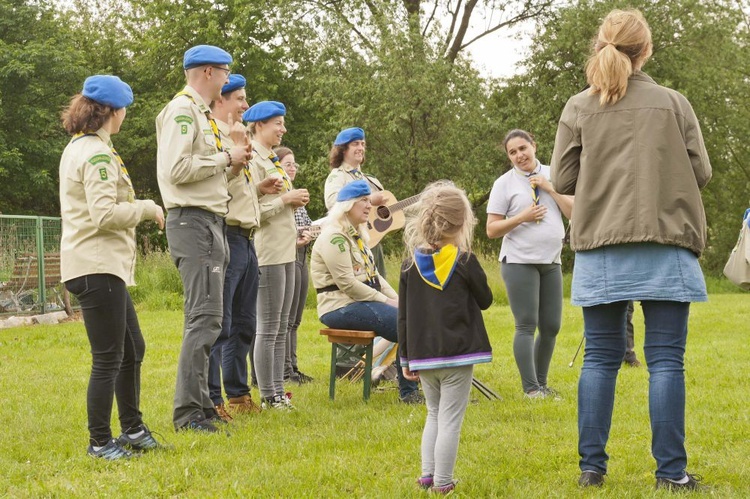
(371, 316)
(664, 346)
(230, 352)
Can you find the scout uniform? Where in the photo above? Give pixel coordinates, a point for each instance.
(191, 170)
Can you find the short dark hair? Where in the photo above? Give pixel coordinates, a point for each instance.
(517, 133)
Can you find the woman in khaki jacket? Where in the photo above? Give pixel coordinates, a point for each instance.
(99, 215)
(632, 153)
(351, 292)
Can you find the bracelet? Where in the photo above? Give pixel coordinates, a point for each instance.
(229, 158)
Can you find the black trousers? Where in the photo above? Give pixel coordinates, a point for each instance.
(117, 350)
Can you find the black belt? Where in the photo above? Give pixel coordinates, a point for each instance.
(333, 287)
(248, 233)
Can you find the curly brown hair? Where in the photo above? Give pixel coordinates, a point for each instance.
(84, 115)
(336, 156)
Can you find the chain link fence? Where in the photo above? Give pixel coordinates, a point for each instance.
(30, 280)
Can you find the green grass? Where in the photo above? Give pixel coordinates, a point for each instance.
(509, 448)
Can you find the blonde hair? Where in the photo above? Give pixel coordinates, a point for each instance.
(338, 218)
(444, 212)
(622, 45)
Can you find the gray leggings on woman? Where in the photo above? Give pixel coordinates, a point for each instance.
(275, 293)
(535, 296)
(446, 393)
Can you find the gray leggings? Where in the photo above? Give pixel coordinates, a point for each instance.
(275, 293)
(535, 296)
(446, 393)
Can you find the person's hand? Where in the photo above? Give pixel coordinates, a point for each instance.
(533, 213)
(541, 182)
(296, 197)
(237, 132)
(409, 374)
(392, 302)
(159, 216)
(270, 185)
(303, 238)
(240, 156)
(377, 198)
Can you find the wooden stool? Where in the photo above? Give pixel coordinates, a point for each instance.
(349, 337)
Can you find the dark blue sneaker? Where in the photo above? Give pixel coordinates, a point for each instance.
(143, 442)
(200, 425)
(111, 452)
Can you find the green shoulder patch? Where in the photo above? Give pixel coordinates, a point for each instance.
(340, 241)
(103, 173)
(184, 119)
(100, 158)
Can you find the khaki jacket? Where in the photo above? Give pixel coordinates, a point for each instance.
(336, 260)
(341, 176)
(635, 167)
(244, 210)
(276, 239)
(190, 169)
(99, 211)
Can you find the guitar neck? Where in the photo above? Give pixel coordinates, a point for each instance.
(404, 203)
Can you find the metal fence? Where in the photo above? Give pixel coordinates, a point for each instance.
(30, 264)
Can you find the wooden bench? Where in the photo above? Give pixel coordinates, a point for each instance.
(347, 338)
(25, 280)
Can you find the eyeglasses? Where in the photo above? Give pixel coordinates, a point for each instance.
(295, 165)
(229, 71)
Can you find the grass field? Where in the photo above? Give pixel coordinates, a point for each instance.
(509, 448)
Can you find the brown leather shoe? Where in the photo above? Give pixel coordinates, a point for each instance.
(223, 414)
(243, 405)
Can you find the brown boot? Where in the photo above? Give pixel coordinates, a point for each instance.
(243, 405)
(223, 414)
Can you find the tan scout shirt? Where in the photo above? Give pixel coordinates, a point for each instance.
(99, 212)
(276, 240)
(244, 210)
(336, 260)
(341, 176)
(190, 168)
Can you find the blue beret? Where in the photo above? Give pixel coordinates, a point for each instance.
(108, 90)
(353, 190)
(264, 110)
(236, 82)
(200, 55)
(349, 135)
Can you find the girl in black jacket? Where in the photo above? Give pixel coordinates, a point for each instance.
(441, 333)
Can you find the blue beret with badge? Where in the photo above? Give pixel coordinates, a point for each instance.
(236, 82)
(349, 135)
(354, 190)
(108, 90)
(264, 110)
(201, 55)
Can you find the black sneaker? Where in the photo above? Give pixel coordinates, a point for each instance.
(143, 442)
(200, 425)
(213, 417)
(693, 483)
(591, 478)
(414, 398)
(111, 452)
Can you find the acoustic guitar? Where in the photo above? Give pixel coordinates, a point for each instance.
(387, 217)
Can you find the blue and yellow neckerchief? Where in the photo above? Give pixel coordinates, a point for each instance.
(436, 268)
(123, 170)
(534, 190)
(211, 120)
(277, 163)
(370, 269)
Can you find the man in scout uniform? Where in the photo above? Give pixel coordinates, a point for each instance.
(192, 166)
(228, 359)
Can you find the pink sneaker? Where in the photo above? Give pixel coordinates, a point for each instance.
(443, 489)
(425, 482)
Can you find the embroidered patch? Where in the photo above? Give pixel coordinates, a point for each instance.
(184, 119)
(103, 173)
(99, 158)
(339, 241)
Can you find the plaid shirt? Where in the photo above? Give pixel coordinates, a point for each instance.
(301, 218)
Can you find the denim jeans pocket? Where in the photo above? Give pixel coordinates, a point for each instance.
(77, 286)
